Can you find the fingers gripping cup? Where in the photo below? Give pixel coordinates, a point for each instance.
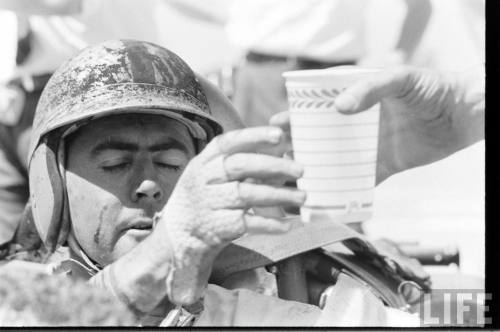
(338, 151)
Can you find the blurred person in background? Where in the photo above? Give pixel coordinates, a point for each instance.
(282, 35)
(455, 37)
(448, 212)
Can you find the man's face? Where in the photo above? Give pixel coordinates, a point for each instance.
(120, 170)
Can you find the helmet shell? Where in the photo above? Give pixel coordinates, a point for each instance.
(120, 76)
(117, 76)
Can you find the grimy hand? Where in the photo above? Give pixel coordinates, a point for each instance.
(210, 204)
(425, 115)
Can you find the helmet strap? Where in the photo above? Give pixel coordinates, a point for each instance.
(58, 226)
(65, 222)
(66, 235)
(91, 267)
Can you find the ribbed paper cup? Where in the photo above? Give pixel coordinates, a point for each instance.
(338, 151)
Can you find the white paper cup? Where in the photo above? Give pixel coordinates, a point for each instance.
(338, 151)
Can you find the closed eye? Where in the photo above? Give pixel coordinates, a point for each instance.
(115, 167)
(168, 166)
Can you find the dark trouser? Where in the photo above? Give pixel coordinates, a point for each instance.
(260, 89)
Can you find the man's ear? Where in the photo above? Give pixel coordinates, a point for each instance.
(220, 106)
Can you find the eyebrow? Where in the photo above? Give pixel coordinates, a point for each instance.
(133, 147)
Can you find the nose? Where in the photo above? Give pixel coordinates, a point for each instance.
(149, 191)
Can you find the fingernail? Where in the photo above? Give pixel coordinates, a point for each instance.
(275, 135)
(345, 103)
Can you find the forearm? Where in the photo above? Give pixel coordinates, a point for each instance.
(414, 25)
(138, 278)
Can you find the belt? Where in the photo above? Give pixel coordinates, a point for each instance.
(300, 62)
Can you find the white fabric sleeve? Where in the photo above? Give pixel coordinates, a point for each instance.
(352, 304)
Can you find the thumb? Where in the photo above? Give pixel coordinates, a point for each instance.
(365, 94)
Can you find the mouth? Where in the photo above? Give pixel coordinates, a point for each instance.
(141, 224)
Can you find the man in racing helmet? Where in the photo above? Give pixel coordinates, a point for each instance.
(129, 167)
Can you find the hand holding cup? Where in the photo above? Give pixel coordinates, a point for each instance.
(212, 201)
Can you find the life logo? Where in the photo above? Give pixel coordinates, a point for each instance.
(455, 307)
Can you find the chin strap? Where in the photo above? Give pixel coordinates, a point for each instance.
(86, 263)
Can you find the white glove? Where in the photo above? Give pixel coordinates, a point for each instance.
(209, 205)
